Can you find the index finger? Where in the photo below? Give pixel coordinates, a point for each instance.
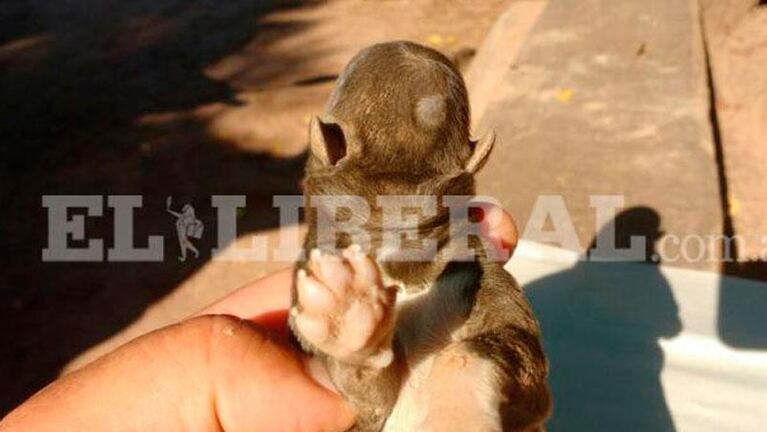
(264, 301)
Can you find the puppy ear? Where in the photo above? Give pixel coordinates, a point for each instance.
(326, 141)
(480, 150)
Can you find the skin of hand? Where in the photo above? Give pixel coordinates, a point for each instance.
(227, 368)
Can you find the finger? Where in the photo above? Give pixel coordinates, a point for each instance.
(500, 226)
(267, 295)
(261, 384)
(322, 410)
(497, 226)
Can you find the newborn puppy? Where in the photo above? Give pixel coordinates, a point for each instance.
(418, 339)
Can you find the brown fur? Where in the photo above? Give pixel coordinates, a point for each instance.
(398, 124)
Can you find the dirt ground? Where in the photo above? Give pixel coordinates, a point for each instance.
(163, 98)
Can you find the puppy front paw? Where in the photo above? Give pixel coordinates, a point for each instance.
(343, 308)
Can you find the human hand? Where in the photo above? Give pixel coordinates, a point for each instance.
(227, 368)
(211, 372)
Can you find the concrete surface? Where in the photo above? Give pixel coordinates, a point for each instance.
(497, 53)
(610, 97)
(736, 36)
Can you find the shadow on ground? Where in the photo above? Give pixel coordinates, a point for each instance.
(601, 323)
(742, 307)
(76, 78)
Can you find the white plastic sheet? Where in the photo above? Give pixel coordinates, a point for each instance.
(640, 347)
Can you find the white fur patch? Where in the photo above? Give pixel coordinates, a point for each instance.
(410, 411)
(450, 391)
(487, 395)
(431, 111)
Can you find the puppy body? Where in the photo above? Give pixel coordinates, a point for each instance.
(459, 349)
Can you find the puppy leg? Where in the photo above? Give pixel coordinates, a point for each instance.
(520, 373)
(344, 313)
